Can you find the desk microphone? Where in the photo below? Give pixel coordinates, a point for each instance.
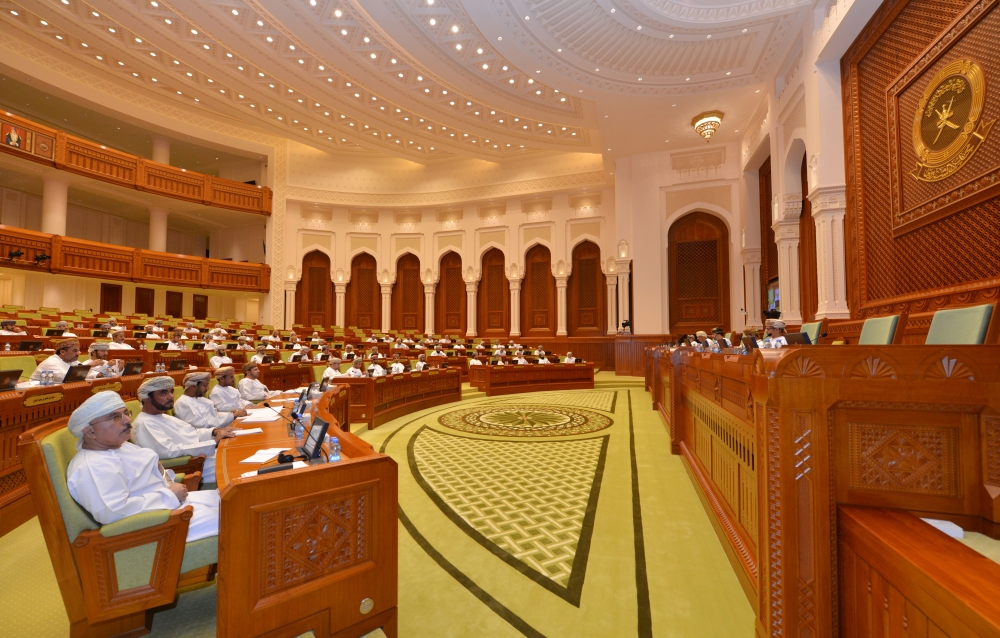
(292, 421)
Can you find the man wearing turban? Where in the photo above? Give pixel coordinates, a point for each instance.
(112, 478)
(169, 436)
(64, 326)
(220, 359)
(332, 370)
(118, 341)
(224, 396)
(100, 365)
(194, 408)
(67, 354)
(251, 389)
(775, 329)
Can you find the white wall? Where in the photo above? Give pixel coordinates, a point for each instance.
(238, 244)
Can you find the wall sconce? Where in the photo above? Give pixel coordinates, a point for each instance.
(611, 266)
(15, 253)
(340, 274)
(561, 268)
(291, 272)
(623, 249)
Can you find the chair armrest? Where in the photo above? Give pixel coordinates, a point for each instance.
(190, 464)
(134, 523)
(175, 462)
(100, 572)
(192, 481)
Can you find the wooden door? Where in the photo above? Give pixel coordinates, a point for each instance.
(364, 297)
(315, 301)
(768, 244)
(175, 304)
(144, 301)
(538, 294)
(698, 262)
(449, 299)
(111, 298)
(408, 295)
(199, 306)
(808, 284)
(586, 297)
(493, 297)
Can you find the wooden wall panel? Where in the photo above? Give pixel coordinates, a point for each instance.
(175, 303)
(698, 249)
(364, 296)
(144, 301)
(768, 245)
(111, 298)
(898, 261)
(808, 284)
(449, 299)
(408, 295)
(315, 301)
(538, 295)
(493, 313)
(199, 306)
(587, 293)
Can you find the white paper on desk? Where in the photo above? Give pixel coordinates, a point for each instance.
(248, 431)
(259, 417)
(263, 456)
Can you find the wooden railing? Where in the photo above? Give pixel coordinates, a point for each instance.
(56, 148)
(69, 256)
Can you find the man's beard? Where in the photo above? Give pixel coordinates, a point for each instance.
(164, 407)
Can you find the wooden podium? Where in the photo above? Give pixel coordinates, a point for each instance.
(307, 549)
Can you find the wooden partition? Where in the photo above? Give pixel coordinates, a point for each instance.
(776, 441)
(516, 379)
(382, 399)
(57, 254)
(76, 155)
(630, 352)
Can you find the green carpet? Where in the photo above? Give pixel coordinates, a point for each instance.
(542, 514)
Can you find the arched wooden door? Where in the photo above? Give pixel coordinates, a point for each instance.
(315, 302)
(449, 313)
(586, 307)
(808, 281)
(363, 308)
(493, 312)
(698, 263)
(538, 294)
(408, 295)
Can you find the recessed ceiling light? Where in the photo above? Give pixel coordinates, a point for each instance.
(757, 91)
(671, 36)
(708, 37)
(527, 17)
(454, 28)
(338, 13)
(433, 22)
(744, 30)
(729, 72)
(639, 28)
(260, 23)
(342, 32)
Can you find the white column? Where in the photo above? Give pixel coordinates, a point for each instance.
(786, 235)
(429, 308)
(55, 194)
(751, 286)
(612, 305)
(161, 150)
(515, 307)
(158, 229)
(289, 304)
(340, 290)
(624, 266)
(829, 204)
(470, 307)
(561, 306)
(386, 307)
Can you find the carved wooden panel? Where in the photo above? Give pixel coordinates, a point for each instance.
(449, 313)
(493, 314)
(199, 306)
(768, 244)
(893, 267)
(144, 301)
(698, 270)
(93, 160)
(408, 295)
(314, 296)
(364, 297)
(538, 294)
(169, 269)
(586, 297)
(306, 542)
(171, 181)
(175, 303)
(111, 298)
(808, 283)
(920, 459)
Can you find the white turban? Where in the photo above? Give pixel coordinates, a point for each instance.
(62, 325)
(152, 385)
(194, 378)
(101, 404)
(99, 345)
(777, 323)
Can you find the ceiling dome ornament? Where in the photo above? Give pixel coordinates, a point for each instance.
(707, 123)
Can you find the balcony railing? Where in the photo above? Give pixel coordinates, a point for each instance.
(51, 147)
(41, 252)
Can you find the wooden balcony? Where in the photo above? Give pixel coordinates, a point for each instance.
(82, 258)
(76, 155)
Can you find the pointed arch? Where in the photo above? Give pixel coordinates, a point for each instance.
(538, 294)
(408, 295)
(493, 312)
(363, 301)
(449, 299)
(698, 273)
(314, 297)
(586, 302)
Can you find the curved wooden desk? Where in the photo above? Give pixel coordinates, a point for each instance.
(382, 399)
(512, 379)
(302, 550)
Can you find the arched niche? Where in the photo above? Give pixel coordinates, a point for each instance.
(538, 294)
(449, 313)
(808, 279)
(586, 299)
(408, 295)
(768, 244)
(698, 271)
(315, 302)
(363, 305)
(493, 311)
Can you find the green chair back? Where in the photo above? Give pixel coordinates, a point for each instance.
(26, 364)
(59, 449)
(812, 330)
(960, 326)
(878, 331)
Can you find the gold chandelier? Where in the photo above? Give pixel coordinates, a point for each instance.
(707, 123)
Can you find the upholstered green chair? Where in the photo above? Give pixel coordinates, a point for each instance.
(114, 572)
(960, 326)
(879, 331)
(181, 465)
(812, 330)
(26, 364)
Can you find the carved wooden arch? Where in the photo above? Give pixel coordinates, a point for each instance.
(363, 301)
(698, 272)
(538, 294)
(537, 241)
(586, 294)
(874, 364)
(801, 365)
(407, 300)
(951, 365)
(450, 297)
(493, 296)
(315, 301)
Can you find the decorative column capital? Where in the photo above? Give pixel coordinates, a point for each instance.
(828, 199)
(386, 289)
(561, 282)
(340, 287)
(471, 286)
(290, 285)
(624, 266)
(751, 255)
(430, 289)
(786, 229)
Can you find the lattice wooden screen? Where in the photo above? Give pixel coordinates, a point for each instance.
(698, 281)
(493, 295)
(587, 308)
(365, 292)
(407, 295)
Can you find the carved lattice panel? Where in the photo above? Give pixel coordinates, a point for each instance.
(364, 293)
(918, 459)
(495, 295)
(407, 295)
(586, 294)
(698, 281)
(450, 295)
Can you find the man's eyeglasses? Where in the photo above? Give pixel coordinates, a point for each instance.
(114, 417)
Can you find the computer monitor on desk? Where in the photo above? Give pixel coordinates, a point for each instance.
(312, 449)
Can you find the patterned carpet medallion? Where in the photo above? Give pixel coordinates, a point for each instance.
(525, 420)
(530, 503)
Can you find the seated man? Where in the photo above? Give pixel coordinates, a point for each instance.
(251, 388)
(112, 478)
(475, 362)
(305, 355)
(209, 341)
(349, 352)
(720, 338)
(480, 346)
(396, 367)
(218, 332)
(498, 362)
(388, 339)
(421, 362)
(169, 436)
(444, 340)
(296, 344)
(569, 358)
(9, 327)
(225, 397)
(194, 408)
(373, 353)
(499, 352)
(399, 344)
(261, 353)
(64, 326)
(775, 330)
(419, 346)
(118, 341)
(220, 359)
(113, 325)
(407, 340)
(332, 370)
(375, 370)
(356, 370)
(702, 338)
(371, 339)
(100, 366)
(243, 343)
(539, 351)
(438, 352)
(460, 347)
(175, 342)
(543, 359)
(67, 354)
(158, 326)
(190, 329)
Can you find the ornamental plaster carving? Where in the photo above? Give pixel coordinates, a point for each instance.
(827, 199)
(741, 10)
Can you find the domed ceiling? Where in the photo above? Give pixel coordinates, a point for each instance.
(433, 79)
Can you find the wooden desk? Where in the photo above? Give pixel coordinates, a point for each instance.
(775, 442)
(512, 379)
(304, 549)
(286, 376)
(382, 399)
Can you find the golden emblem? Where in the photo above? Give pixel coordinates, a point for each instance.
(947, 127)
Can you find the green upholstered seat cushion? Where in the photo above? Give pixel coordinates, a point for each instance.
(200, 554)
(59, 449)
(811, 329)
(175, 462)
(960, 326)
(142, 520)
(878, 331)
